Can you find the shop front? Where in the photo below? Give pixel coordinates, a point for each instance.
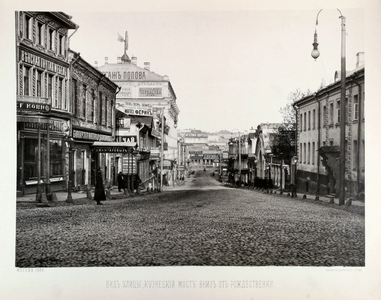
(41, 154)
(86, 162)
(133, 164)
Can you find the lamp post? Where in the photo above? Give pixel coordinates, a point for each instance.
(70, 169)
(315, 54)
(295, 177)
(255, 171)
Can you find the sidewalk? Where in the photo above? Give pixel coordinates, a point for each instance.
(62, 195)
(78, 195)
(323, 198)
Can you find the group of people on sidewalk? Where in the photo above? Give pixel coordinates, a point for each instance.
(100, 194)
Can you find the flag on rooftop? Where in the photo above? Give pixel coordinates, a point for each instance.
(120, 38)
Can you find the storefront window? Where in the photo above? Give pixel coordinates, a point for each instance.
(56, 158)
(31, 158)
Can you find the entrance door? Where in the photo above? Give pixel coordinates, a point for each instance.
(93, 168)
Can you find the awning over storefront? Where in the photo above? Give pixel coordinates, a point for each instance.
(114, 147)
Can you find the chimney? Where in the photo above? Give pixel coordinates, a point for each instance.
(147, 66)
(96, 64)
(119, 59)
(134, 60)
(106, 60)
(360, 59)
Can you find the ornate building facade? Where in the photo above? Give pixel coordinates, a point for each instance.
(43, 100)
(147, 114)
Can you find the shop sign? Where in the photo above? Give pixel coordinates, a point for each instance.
(130, 75)
(129, 163)
(155, 133)
(154, 153)
(150, 92)
(42, 63)
(129, 139)
(85, 135)
(138, 109)
(32, 106)
(53, 125)
(112, 149)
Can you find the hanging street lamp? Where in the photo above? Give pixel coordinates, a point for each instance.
(315, 54)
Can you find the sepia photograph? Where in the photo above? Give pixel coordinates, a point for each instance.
(194, 150)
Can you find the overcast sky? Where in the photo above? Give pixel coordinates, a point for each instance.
(229, 69)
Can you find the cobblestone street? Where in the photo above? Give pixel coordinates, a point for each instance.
(208, 225)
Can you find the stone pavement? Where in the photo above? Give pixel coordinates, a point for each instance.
(180, 185)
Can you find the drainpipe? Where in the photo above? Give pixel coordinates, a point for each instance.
(296, 143)
(68, 39)
(318, 146)
(358, 130)
(113, 124)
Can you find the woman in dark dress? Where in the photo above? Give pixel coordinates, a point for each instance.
(120, 182)
(99, 194)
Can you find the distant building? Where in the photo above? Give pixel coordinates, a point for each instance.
(143, 98)
(318, 136)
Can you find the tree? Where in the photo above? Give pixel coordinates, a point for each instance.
(283, 143)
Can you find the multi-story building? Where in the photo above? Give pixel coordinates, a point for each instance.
(147, 114)
(43, 100)
(318, 136)
(93, 121)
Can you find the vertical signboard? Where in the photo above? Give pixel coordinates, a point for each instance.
(129, 164)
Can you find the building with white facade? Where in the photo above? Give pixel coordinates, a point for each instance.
(318, 136)
(144, 96)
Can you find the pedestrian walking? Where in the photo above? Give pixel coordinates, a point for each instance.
(99, 194)
(120, 181)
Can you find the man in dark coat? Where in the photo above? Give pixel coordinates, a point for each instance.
(99, 193)
(120, 181)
